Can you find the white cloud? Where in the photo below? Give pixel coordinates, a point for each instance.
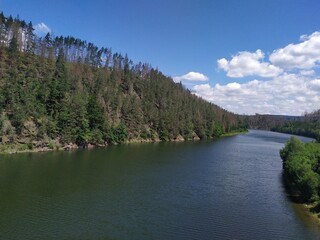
(304, 55)
(307, 72)
(315, 84)
(290, 94)
(191, 76)
(293, 86)
(248, 64)
(41, 29)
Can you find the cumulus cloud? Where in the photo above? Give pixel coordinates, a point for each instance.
(291, 94)
(191, 76)
(41, 29)
(307, 72)
(293, 86)
(248, 64)
(315, 84)
(304, 55)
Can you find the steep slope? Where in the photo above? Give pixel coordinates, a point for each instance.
(58, 91)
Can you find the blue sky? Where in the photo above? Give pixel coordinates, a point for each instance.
(185, 39)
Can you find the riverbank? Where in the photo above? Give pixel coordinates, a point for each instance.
(234, 133)
(24, 148)
(306, 215)
(54, 145)
(308, 212)
(311, 210)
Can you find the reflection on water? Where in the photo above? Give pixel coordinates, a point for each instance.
(225, 189)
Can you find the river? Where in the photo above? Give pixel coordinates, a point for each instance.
(230, 188)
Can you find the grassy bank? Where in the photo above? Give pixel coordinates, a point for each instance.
(21, 148)
(233, 133)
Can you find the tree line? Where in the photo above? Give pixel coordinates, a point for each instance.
(61, 90)
(308, 125)
(264, 121)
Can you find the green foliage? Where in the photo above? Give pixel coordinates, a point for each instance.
(7, 131)
(116, 135)
(121, 133)
(302, 127)
(164, 135)
(147, 134)
(217, 130)
(301, 164)
(96, 137)
(293, 146)
(73, 121)
(144, 133)
(13, 47)
(52, 145)
(95, 114)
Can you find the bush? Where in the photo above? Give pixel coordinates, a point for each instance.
(301, 166)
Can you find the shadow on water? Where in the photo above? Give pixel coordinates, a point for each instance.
(316, 210)
(307, 215)
(292, 194)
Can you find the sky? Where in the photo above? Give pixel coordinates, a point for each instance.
(246, 56)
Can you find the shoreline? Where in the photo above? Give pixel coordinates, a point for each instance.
(314, 215)
(304, 210)
(22, 148)
(304, 213)
(231, 134)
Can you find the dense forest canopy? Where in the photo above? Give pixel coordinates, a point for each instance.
(266, 121)
(61, 90)
(301, 163)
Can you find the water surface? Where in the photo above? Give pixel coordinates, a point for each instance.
(225, 189)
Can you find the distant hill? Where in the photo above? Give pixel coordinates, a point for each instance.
(307, 125)
(267, 121)
(288, 118)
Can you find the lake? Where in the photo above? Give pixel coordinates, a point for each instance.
(230, 188)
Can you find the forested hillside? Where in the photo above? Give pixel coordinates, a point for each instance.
(308, 126)
(59, 91)
(264, 121)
